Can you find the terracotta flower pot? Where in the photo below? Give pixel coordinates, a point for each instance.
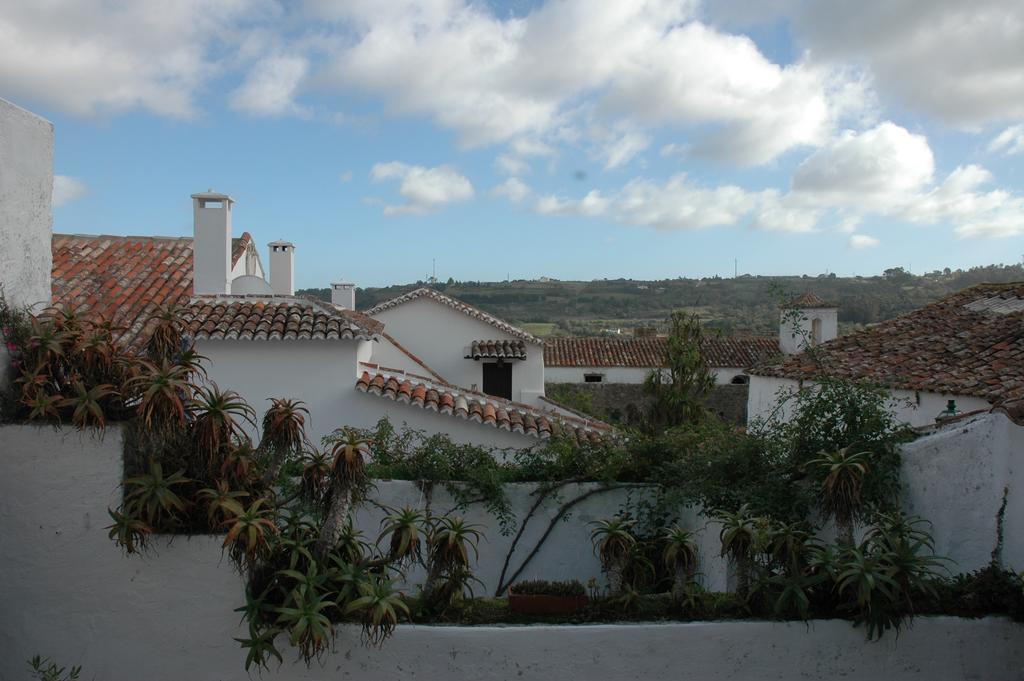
(537, 604)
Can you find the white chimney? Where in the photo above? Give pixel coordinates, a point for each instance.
(211, 243)
(282, 268)
(343, 294)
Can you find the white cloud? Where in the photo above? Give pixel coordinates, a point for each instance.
(532, 77)
(424, 189)
(622, 147)
(511, 165)
(1009, 141)
(90, 57)
(270, 87)
(961, 62)
(591, 205)
(861, 241)
(67, 189)
(514, 189)
(877, 168)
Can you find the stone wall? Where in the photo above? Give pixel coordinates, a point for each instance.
(617, 401)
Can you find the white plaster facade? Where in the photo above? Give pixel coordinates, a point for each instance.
(632, 375)
(802, 326)
(26, 220)
(68, 593)
(323, 373)
(440, 336)
(26, 191)
(916, 408)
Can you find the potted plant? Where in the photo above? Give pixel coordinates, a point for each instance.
(541, 597)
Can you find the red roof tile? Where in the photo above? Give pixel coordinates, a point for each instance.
(969, 343)
(125, 278)
(462, 307)
(806, 300)
(496, 412)
(500, 349)
(274, 318)
(650, 352)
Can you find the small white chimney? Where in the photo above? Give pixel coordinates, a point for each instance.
(343, 294)
(282, 268)
(211, 243)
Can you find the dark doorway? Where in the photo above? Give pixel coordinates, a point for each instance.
(498, 380)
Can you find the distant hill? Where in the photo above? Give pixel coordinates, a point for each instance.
(741, 305)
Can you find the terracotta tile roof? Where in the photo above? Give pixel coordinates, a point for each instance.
(650, 352)
(462, 307)
(969, 343)
(274, 318)
(496, 412)
(125, 278)
(500, 349)
(806, 300)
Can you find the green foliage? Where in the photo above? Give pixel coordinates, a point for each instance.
(43, 669)
(152, 496)
(677, 392)
(542, 587)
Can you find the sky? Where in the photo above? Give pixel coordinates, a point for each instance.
(575, 139)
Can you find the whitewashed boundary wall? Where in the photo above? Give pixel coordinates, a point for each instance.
(68, 593)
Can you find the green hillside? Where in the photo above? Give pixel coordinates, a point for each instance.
(742, 305)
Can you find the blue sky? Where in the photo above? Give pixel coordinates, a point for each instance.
(573, 139)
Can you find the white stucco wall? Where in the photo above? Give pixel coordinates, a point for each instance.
(955, 478)
(69, 594)
(914, 408)
(26, 189)
(26, 221)
(440, 336)
(795, 327)
(633, 375)
(323, 375)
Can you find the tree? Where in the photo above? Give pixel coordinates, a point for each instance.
(677, 392)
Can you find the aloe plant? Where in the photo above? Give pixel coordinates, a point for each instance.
(348, 472)
(308, 628)
(379, 605)
(841, 492)
(284, 433)
(613, 541)
(249, 534)
(738, 537)
(152, 497)
(218, 417)
(87, 405)
(163, 391)
(128, 532)
(680, 556)
(222, 502)
(449, 543)
(406, 528)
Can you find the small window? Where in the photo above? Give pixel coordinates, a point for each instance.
(593, 378)
(741, 379)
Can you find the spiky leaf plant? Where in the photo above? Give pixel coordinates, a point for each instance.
(218, 419)
(249, 535)
(379, 605)
(87, 405)
(128, 532)
(348, 474)
(613, 541)
(841, 491)
(222, 502)
(152, 496)
(406, 529)
(680, 556)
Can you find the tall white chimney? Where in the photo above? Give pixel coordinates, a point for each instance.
(282, 268)
(211, 243)
(343, 294)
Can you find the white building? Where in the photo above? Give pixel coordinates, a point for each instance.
(630, 360)
(423, 359)
(967, 348)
